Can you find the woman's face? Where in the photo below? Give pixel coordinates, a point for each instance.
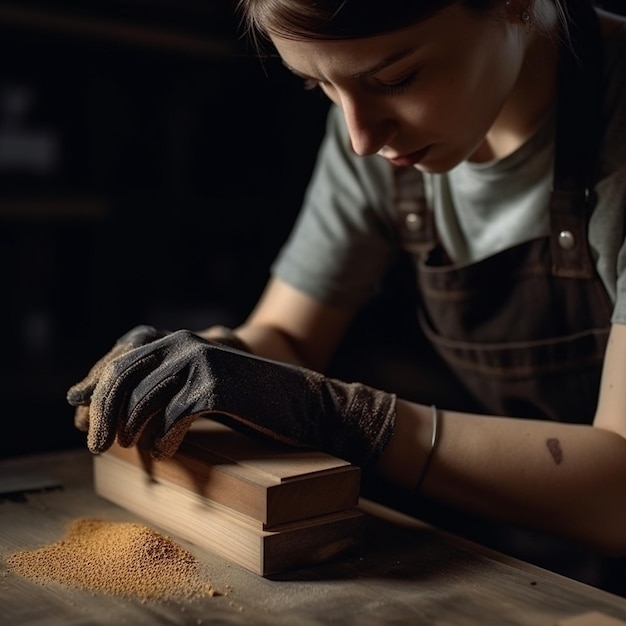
(427, 95)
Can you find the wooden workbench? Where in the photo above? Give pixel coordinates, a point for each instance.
(404, 573)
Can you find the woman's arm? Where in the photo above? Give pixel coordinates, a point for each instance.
(289, 326)
(566, 479)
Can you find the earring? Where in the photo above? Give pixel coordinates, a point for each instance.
(514, 6)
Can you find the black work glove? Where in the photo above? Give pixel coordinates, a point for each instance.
(161, 387)
(79, 395)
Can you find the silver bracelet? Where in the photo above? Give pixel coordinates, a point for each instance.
(433, 444)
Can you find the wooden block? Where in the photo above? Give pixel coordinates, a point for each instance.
(269, 482)
(591, 619)
(236, 537)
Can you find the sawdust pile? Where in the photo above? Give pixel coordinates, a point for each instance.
(118, 558)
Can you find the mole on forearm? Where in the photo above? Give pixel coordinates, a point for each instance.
(554, 447)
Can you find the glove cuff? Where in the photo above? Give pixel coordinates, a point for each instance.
(367, 423)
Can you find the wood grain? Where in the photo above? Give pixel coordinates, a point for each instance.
(238, 538)
(266, 481)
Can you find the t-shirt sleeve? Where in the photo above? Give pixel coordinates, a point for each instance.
(343, 238)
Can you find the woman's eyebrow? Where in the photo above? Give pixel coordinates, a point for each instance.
(384, 63)
(369, 71)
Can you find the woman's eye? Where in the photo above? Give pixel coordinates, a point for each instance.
(399, 85)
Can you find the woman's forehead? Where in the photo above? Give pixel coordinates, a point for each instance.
(361, 56)
(351, 58)
(350, 62)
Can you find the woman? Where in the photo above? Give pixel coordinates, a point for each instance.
(487, 140)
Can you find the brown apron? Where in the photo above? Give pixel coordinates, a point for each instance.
(524, 330)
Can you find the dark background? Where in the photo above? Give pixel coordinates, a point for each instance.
(150, 168)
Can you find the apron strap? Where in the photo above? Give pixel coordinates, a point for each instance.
(415, 219)
(578, 133)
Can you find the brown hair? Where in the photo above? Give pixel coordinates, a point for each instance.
(338, 19)
(354, 19)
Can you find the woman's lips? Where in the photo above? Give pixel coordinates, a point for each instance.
(409, 160)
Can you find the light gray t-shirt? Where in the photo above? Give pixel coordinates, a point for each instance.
(345, 236)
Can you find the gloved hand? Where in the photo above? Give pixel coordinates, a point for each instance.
(79, 395)
(161, 387)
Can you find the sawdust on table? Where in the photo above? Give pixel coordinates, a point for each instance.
(119, 558)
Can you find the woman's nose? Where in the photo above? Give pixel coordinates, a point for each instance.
(370, 127)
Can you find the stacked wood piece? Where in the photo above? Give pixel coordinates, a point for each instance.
(265, 506)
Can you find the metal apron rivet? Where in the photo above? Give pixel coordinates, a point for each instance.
(413, 222)
(567, 240)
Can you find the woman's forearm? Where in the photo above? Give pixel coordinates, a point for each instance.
(565, 479)
(260, 341)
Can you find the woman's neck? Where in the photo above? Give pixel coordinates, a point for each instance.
(531, 102)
